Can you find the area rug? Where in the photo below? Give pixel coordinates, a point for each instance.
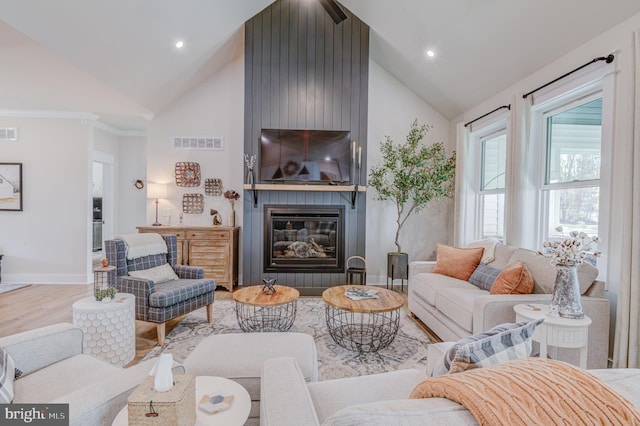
(408, 350)
(6, 288)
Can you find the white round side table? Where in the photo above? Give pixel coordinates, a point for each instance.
(237, 414)
(109, 328)
(556, 331)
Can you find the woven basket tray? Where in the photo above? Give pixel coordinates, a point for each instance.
(176, 407)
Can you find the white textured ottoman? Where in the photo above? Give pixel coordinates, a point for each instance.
(239, 357)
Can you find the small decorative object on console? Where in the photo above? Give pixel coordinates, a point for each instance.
(269, 285)
(232, 196)
(566, 255)
(217, 219)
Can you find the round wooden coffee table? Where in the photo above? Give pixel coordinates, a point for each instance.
(362, 325)
(257, 312)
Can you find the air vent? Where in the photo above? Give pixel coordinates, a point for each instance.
(8, 134)
(198, 143)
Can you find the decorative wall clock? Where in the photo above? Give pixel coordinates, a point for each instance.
(187, 174)
(192, 203)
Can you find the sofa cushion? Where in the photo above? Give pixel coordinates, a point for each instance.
(503, 343)
(7, 376)
(329, 396)
(158, 274)
(544, 273)
(484, 276)
(427, 285)
(172, 292)
(38, 387)
(457, 304)
(457, 262)
(502, 255)
(405, 412)
(513, 279)
(227, 355)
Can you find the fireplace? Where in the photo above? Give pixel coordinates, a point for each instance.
(303, 238)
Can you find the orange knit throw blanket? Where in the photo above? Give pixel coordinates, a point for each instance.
(532, 391)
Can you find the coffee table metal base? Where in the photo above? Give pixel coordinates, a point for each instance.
(362, 332)
(252, 318)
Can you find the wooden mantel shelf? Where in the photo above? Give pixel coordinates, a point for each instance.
(353, 189)
(303, 187)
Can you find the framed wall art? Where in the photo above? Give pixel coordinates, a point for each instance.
(11, 187)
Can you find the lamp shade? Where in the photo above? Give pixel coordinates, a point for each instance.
(156, 190)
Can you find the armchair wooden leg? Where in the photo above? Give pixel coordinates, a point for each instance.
(161, 330)
(209, 308)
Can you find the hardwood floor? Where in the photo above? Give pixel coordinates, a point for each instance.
(40, 305)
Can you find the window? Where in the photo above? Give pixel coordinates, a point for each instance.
(493, 162)
(571, 178)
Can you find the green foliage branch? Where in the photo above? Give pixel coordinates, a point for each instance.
(412, 175)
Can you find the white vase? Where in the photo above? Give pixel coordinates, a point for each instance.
(566, 301)
(232, 217)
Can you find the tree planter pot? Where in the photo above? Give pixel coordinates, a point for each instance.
(397, 267)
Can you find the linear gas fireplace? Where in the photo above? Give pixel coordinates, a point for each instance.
(303, 238)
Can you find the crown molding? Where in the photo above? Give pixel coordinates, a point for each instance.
(117, 132)
(35, 113)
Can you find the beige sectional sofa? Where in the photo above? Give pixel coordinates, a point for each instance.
(56, 371)
(454, 309)
(377, 399)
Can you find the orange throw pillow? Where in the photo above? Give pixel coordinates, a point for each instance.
(513, 279)
(457, 262)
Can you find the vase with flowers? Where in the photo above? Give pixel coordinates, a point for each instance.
(250, 162)
(566, 255)
(232, 196)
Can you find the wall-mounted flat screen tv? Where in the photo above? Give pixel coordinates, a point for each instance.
(322, 156)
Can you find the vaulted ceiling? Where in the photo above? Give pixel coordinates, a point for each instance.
(125, 48)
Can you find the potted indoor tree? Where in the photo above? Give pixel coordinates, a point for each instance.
(411, 175)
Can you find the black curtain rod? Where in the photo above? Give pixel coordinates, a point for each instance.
(489, 113)
(607, 59)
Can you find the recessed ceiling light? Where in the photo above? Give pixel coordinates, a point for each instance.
(430, 53)
(179, 44)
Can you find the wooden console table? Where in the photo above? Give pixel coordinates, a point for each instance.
(212, 248)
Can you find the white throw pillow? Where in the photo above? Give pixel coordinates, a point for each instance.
(159, 274)
(7, 376)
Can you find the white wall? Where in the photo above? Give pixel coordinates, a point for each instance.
(131, 203)
(392, 109)
(47, 242)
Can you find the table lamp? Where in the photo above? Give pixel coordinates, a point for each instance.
(157, 191)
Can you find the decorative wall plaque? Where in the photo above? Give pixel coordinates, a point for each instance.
(187, 174)
(193, 203)
(213, 187)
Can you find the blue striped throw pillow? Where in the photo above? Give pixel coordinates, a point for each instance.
(503, 343)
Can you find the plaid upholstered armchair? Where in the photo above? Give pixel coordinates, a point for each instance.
(163, 289)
